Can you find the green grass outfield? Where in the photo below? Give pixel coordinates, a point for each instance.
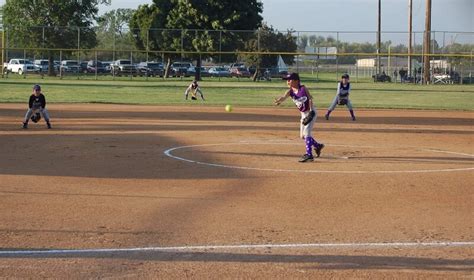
(243, 92)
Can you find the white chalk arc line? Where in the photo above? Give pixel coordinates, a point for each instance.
(169, 151)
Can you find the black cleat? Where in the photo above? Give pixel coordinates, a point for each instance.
(306, 158)
(25, 125)
(318, 149)
(353, 119)
(49, 125)
(326, 116)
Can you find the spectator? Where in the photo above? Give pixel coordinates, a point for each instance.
(403, 74)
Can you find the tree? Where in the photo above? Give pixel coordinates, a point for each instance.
(200, 26)
(113, 31)
(268, 39)
(61, 24)
(148, 25)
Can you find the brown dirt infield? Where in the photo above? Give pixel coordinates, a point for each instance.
(100, 179)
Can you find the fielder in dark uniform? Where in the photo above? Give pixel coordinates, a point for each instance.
(37, 108)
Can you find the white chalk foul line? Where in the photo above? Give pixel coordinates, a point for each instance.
(236, 247)
(447, 152)
(169, 154)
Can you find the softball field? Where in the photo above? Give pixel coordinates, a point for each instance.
(130, 191)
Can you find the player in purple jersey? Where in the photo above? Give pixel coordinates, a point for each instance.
(342, 97)
(304, 102)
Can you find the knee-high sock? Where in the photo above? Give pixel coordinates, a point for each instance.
(352, 113)
(310, 143)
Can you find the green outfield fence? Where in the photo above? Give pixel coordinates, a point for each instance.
(317, 52)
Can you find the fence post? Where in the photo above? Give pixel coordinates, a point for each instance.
(470, 71)
(96, 65)
(220, 46)
(147, 50)
(43, 37)
(26, 67)
(3, 51)
(113, 54)
(337, 56)
(78, 51)
(182, 44)
(60, 64)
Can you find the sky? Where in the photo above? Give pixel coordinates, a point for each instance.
(361, 15)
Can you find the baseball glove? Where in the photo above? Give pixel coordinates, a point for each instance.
(36, 117)
(308, 118)
(342, 101)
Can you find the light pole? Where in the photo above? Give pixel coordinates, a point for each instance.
(410, 31)
(427, 44)
(378, 34)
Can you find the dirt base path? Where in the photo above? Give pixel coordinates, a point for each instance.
(116, 177)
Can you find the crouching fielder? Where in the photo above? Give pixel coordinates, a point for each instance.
(37, 106)
(342, 97)
(304, 102)
(194, 89)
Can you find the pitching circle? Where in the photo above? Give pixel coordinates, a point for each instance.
(169, 153)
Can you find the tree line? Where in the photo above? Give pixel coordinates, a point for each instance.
(200, 29)
(186, 29)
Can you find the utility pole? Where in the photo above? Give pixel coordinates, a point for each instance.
(3, 38)
(378, 35)
(427, 44)
(410, 32)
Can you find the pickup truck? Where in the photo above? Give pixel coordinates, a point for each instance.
(70, 66)
(43, 65)
(20, 66)
(123, 67)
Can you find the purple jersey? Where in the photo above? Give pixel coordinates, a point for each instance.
(301, 99)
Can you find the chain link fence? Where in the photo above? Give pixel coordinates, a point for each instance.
(79, 51)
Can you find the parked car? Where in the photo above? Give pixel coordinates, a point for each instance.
(70, 66)
(204, 72)
(123, 67)
(108, 66)
(237, 65)
(185, 69)
(83, 67)
(20, 66)
(43, 65)
(381, 78)
(96, 67)
(275, 73)
(150, 68)
(219, 72)
(239, 72)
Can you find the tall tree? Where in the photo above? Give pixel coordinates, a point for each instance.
(113, 31)
(148, 25)
(267, 39)
(52, 24)
(200, 26)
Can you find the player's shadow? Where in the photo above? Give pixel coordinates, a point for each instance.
(307, 261)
